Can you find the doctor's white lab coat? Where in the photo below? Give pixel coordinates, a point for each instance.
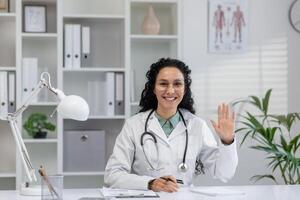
(127, 167)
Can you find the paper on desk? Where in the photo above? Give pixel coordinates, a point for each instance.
(124, 193)
(216, 191)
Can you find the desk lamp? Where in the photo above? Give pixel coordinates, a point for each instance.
(72, 106)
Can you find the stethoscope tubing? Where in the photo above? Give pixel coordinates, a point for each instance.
(155, 141)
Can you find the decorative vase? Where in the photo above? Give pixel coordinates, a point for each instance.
(151, 25)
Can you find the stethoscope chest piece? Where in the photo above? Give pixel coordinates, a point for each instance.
(182, 167)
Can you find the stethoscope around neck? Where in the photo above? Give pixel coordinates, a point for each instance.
(182, 167)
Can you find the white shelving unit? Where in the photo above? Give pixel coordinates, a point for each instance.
(7, 16)
(8, 46)
(39, 35)
(40, 140)
(106, 20)
(96, 69)
(118, 45)
(146, 49)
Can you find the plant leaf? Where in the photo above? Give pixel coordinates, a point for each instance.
(265, 101)
(259, 177)
(245, 136)
(256, 102)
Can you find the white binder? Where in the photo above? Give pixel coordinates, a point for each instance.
(29, 77)
(68, 44)
(85, 40)
(119, 104)
(110, 93)
(3, 93)
(86, 45)
(96, 92)
(11, 92)
(132, 85)
(76, 46)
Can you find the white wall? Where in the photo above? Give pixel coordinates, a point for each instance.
(272, 61)
(294, 68)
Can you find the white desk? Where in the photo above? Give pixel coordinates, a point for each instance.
(257, 192)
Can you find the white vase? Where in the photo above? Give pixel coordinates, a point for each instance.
(151, 25)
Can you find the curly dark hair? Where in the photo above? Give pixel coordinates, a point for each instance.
(148, 98)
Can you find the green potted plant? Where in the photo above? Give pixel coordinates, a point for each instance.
(37, 124)
(274, 136)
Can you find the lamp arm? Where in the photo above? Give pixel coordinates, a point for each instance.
(28, 100)
(23, 151)
(42, 83)
(12, 119)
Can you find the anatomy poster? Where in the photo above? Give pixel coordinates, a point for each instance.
(227, 26)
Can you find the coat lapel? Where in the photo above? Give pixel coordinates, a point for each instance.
(154, 127)
(178, 130)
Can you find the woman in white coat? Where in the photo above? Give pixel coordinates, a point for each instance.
(160, 146)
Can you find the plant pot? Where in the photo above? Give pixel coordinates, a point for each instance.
(42, 134)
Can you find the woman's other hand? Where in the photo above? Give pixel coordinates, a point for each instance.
(225, 126)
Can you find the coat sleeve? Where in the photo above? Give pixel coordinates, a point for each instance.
(118, 169)
(220, 160)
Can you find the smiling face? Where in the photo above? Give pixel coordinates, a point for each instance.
(169, 90)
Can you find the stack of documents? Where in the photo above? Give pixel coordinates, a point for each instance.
(217, 191)
(124, 193)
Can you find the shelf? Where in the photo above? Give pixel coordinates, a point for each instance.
(95, 69)
(154, 37)
(7, 15)
(7, 68)
(86, 16)
(44, 104)
(7, 175)
(154, 1)
(39, 35)
(40, 1)
(83, 173)
(107, 117)
(136, 103)
(40, 140)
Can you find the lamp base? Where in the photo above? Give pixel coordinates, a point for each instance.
(33, 190)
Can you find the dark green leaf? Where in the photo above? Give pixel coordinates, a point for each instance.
(256, 102)
(245, 136)
(265, 101)
(259, 177)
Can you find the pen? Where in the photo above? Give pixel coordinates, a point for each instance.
(120, 196)
(48, 183)
(168, 179)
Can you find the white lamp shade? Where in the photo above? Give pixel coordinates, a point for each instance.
(73, 107)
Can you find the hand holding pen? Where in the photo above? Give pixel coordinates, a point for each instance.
(173, 180)
(165, 184)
